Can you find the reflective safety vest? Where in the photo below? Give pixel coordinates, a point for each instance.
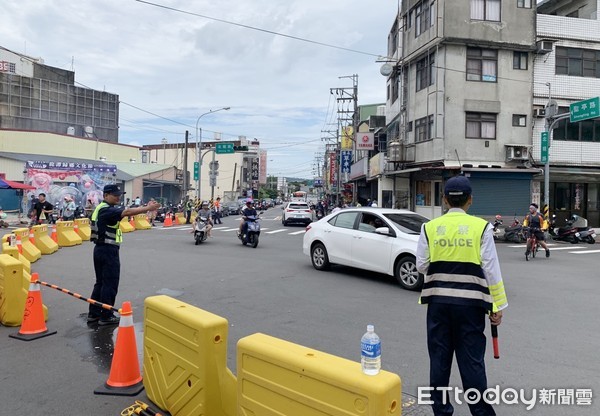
(110, 235)
(455, 274)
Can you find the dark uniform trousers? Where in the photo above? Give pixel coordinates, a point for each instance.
(457, 329)
(108, 268)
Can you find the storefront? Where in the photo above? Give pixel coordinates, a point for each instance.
(575, 191)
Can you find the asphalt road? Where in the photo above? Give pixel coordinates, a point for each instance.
(548, 339)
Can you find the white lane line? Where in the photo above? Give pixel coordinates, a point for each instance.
(524, 245)
(298, 232)
(231, 229)
(554, 248)
(584, 252)
(219, 228)
(275, 231)
(174, 228)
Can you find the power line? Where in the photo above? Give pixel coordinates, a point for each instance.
(328, 45)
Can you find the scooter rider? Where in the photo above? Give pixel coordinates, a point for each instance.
(205, 212)
(536, 220)
(249, 211)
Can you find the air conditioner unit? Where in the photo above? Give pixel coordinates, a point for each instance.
(517, 153)
(543, 46)
(539, 112)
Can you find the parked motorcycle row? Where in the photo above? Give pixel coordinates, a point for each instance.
(575, 230)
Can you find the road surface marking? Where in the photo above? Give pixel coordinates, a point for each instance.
(275, 231)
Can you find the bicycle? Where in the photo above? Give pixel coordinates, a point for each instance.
(532, 244)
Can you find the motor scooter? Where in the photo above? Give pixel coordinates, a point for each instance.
(584, 233)
(200, 234)
(514, 233)
(251, 231)
(565, 233)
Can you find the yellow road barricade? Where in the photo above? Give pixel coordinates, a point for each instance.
(141, 222)
(67, 237)
(126, 226)
(14, 252)
(14, 288)
(180, 218)
(84, 229)
(43, 241)
(30, 251)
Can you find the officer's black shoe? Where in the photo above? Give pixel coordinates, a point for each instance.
(547, 253)
(92, 318)
(113, 320)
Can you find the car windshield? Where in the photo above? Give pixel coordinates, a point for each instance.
(407, 223)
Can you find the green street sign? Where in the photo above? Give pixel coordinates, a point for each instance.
(221, 148)
(196, 171)
(584, 110)
(544, 147)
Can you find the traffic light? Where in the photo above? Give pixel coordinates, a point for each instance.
(213, 173)
(240, 148)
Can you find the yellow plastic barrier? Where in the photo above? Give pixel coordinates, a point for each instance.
(14, 253)
(125, 226)
(14, 288)
(179, 218)
(185, 359)
(141, 222)
(83, 228)
(31, 252)
(67, 237)
(279, 377)
(43, 241)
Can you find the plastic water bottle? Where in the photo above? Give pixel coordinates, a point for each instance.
(370, 354)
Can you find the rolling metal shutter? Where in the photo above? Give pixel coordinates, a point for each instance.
(504, 194)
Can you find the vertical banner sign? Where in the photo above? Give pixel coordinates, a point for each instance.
(346, 160)
(365, 141)
(332, 169)
(347, 138)
(254, 169)
(262, 174)
(544, 147)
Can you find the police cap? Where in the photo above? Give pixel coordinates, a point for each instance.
(113, 189)
(458, 185)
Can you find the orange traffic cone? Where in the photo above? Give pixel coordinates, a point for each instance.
(125, 378)
(76, 228)
(31, 236)
(33, 325)
(132, 221)
(54, 236)
(168, 221)
(19, 244)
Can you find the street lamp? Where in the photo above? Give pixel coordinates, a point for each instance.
(164, 143)
(198, 148)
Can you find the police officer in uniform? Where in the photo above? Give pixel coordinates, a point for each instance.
(106, 234)
(463, 283)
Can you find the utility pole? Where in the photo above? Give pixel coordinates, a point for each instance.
(185, 169)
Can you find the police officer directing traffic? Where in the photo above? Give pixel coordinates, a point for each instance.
(106, 234)
(463, 282)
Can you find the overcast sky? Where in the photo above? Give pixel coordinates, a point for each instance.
(178, 65)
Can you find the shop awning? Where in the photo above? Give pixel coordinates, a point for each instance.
(6, 184)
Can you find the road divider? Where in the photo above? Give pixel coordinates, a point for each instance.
(31, 252)
(42, 240)
(83, 229)
(67, 237)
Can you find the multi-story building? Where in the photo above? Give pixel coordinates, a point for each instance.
(567, 70)
(459, 100)
(38, 97)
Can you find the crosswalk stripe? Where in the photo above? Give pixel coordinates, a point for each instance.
(525, 245)
(219, 228)
(174, 228)
(584, 252)
(231, 229)
(275, 231)
(298, 232)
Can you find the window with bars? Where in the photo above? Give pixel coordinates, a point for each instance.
(486, 10)
(524, 4)
(481, 125)
(577, 62)
(482, 64)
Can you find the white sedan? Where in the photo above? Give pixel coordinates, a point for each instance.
(381, 240)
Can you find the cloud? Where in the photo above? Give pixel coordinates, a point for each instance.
(180, 65)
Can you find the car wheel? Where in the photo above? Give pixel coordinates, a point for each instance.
(407, 275)
(284, 222)
(319, 257)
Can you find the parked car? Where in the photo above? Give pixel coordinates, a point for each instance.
(381, 240)
(234, 207)
(297, 211)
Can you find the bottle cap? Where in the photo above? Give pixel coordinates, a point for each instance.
(370, 328)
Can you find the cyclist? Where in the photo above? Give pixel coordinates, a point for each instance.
(537, 223)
